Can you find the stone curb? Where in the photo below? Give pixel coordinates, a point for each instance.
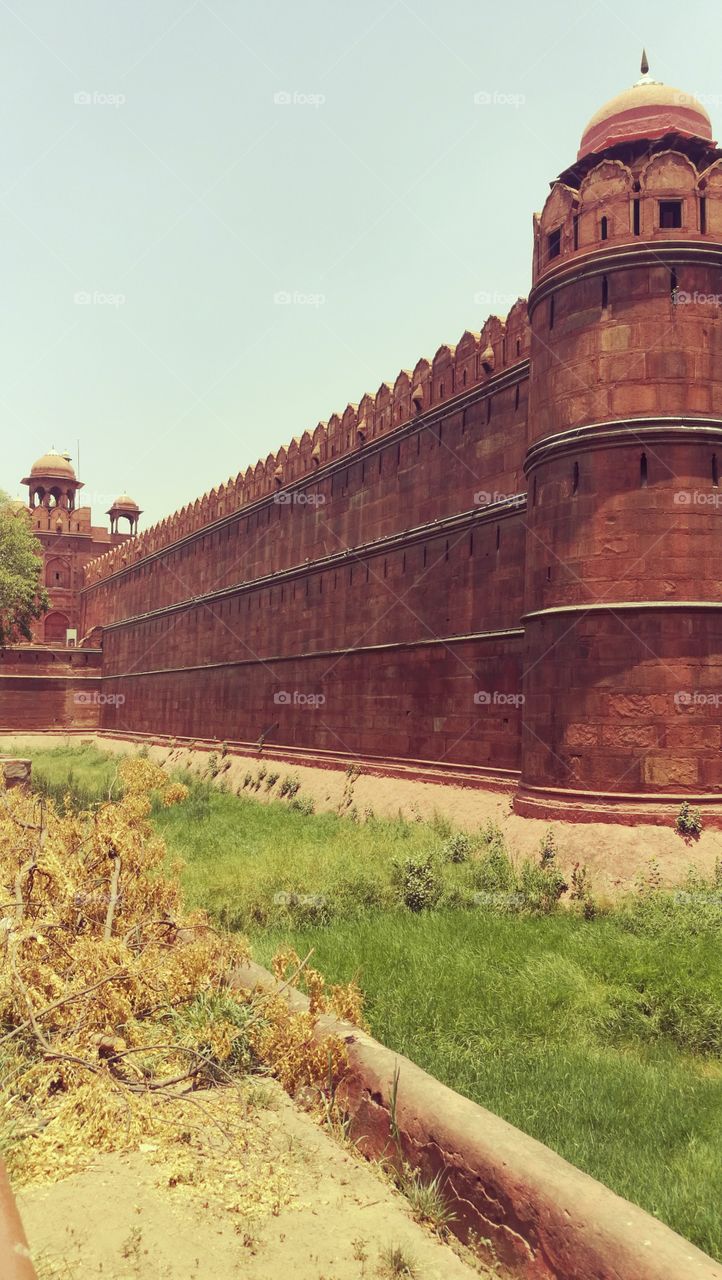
(544, 1219)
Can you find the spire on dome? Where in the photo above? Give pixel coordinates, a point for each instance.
(644, 65)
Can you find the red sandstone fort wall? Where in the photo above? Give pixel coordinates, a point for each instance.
(46, 689)
(372, 606)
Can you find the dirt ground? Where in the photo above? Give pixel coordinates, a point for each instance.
(300, 1204)
(613, 853)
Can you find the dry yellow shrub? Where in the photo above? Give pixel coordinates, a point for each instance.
(113, 998)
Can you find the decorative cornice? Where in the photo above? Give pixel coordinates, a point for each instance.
(506, 633)
(617, 433)
(648, 253)
(617, 606)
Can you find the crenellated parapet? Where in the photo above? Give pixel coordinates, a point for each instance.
(452, 371)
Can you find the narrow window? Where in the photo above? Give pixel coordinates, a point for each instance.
(576, 230)
(604, 228)
(424, 557)
(554, 244)
(446, 552)
(463, 378)
(471, 544)
(498, 537)
(643, 471)
(575, 478)
(670, 214)
(551, 312)
(441, 390)
(549, 573)
(715, 472)
(516, 397)
(605, 293)
(518, 346)
(703, 214)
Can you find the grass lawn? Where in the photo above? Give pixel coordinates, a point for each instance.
(601, 1037)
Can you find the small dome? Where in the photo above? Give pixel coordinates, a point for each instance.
(53, 464)
(126, 503)
(648, 109)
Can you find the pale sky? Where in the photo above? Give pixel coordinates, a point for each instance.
(155, 201)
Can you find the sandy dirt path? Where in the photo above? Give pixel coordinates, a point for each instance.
(303, 1206)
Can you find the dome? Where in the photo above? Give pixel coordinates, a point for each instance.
(126, 503)
(53, 464)
(647, 110)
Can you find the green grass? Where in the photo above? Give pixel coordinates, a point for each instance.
(600, 1037)
(556, 1024)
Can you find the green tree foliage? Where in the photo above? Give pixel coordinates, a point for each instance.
(22, 596)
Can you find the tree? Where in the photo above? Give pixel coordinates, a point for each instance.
(22, 596)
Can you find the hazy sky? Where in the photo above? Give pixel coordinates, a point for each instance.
(156, 199)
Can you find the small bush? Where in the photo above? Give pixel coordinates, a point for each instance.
(213, 764)
(304, 805)
(271, 780)
(688, 821)
(419, 883)
(457, 848)
(290, 785)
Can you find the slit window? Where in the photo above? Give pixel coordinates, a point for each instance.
(715, 471)
(643, 471)
(554, 244)
(636, 218)
(575, 478)
(551, 312)
(670, 214)
(703, 214)
(605, 293)
(576, 230)
(604, 228)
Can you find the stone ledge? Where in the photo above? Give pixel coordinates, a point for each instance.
(546, 1219)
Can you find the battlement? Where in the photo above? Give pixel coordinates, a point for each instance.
(454, 369)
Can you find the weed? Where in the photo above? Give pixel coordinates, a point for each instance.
(418, 883)
(457, 848)
(396, 1264)
(688, 822)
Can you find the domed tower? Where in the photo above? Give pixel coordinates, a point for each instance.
(53, 482)
(623, 593)
(124, 508)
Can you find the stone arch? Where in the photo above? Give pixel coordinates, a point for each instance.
(55, 627)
